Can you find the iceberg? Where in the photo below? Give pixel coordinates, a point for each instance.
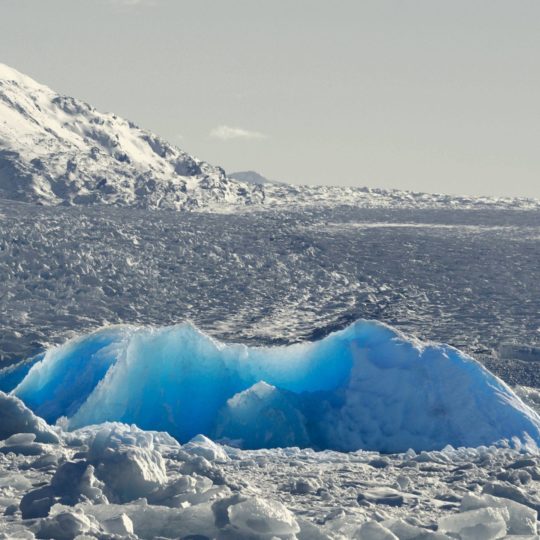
(365, 387)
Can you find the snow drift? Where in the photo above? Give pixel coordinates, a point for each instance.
(365, 387)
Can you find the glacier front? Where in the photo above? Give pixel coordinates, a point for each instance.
(365, 387)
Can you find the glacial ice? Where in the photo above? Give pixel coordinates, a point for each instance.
(481, 524)
(520, 519)
(365, 387)
(17, 419)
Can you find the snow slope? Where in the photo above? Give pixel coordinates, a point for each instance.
(56, 149)
(365, 387)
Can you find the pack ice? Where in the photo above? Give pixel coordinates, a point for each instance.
(366, 387)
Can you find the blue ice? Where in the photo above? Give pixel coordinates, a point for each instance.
(365, 387)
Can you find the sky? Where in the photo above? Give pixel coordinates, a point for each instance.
(425, 95)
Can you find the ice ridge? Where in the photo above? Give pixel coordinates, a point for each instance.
(365, 387)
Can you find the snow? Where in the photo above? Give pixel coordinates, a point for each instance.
(365, 387)
(121, 525)
(55, 149)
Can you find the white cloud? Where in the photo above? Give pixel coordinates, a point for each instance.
(227, 133)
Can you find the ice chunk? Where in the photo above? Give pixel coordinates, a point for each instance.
(73, 482)
(203, 446)
(521, 518)
(22, 443)
(382, 495)
(66, 525)
(507, 491)
(20, 438)
(481, 524)
(121, 525)
(17, 418)
(372, 530)
(367, 386)
(310, 531)
(263, 417)
(263, 518)
(30, 449)
(151, 522)
(402, 529)
(128, 465)
(302, 486)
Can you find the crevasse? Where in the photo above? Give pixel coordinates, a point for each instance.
(365, 387)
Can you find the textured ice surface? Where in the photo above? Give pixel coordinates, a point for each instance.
(520, 519)
(272, 277)
(72, 491)
(367, 386)
(481, 524)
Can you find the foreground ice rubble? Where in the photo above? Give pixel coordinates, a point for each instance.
(114, 481)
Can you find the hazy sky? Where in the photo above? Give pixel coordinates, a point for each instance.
(429, 95)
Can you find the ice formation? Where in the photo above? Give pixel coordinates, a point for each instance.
(365, 387)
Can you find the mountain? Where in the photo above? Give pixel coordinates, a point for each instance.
(59, 150)
(56, 149)
(253, 177)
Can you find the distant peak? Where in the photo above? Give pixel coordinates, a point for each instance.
(253, 177)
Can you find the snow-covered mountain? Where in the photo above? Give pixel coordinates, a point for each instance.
(59, 150)
(56, 149)
(253, 177)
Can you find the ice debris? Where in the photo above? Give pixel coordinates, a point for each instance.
(115, 481)
(16, 419)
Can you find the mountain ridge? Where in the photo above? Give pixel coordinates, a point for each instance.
(58, 150)
(55, 149)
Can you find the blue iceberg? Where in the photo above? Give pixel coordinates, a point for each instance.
(365, 387)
